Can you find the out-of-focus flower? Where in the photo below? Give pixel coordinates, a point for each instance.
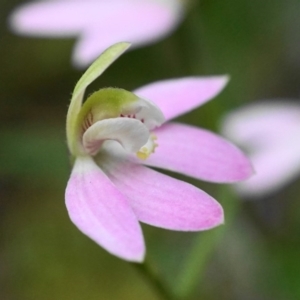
(270, 132)
(114, 132)
(98, 24)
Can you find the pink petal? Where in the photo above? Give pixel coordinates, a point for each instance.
(178, 96)
(198, 153)
(101, 212)
(99, 23)
(260, 124)
(274, 167)
(269, 132)
(162, 201)
(130, 21)
(37, 18)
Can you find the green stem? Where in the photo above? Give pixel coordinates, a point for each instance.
(200, 254)
(153, 278)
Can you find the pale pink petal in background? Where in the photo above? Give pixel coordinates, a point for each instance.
(269, 132)
(178, 96)
(56, 18)
(274, 167)
(138, 22)
(98, 24)
(198, 153)
(100, 211)
(262, 123)
(162, 201)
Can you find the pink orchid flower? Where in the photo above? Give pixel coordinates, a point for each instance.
(270, 132)
(98, 24)
(114, 133)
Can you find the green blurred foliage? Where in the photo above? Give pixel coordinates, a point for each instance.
(43, 256)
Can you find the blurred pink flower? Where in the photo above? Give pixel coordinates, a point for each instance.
(269, 132)
(98, 23)
(116, 132)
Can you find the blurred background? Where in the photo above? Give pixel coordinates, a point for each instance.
(255, 255)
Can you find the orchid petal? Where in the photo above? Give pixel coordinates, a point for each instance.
(101, 212)
(99, 23)
(130, 133)
(267, 130)
(274, 167)
(254, 125)
(36, 18)
(198, 153)
(178, 96)
(163, 201)
(127, 21)
(95, 70)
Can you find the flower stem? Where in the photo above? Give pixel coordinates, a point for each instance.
(195, 264)
(153, 278)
